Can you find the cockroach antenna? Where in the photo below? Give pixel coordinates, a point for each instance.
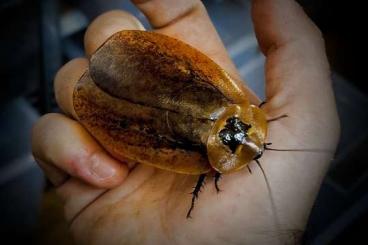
(272, 200)
(297, 150)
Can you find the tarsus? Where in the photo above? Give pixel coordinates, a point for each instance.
(217, 178)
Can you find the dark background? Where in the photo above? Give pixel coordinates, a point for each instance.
(37, 37)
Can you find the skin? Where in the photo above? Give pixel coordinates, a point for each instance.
(108, 202)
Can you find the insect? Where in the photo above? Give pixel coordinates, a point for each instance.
(153, 99)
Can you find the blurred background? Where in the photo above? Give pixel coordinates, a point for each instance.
(37, 37)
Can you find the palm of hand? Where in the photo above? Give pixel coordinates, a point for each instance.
(151, 204)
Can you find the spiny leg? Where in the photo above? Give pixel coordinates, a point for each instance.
(195, 192)
(217, 178)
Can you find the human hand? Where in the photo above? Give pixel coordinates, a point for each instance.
(106, 202)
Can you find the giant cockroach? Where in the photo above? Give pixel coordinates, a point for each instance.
(153, 99)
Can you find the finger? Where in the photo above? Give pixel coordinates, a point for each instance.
(189, 22)
(106, 25)
(100, 29)
(65, 81)
(54, 174)
(296, 66)
(63, 143)
(78, 196)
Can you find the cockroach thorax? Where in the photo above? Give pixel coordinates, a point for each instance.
(234, 140)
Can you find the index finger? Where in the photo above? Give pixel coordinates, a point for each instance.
(188, 21)
(98, 31)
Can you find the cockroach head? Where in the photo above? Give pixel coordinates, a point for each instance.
(234, 140)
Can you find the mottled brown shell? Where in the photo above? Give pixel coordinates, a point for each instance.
(153, 99)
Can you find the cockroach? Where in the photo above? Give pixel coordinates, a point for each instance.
(152, 99)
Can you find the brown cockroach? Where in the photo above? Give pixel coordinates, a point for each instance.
(153, 99)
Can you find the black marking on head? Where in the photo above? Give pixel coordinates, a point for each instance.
(234, 133)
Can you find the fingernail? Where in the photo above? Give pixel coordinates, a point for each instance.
(101, 170)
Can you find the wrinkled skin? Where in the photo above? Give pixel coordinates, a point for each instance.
(109, 202)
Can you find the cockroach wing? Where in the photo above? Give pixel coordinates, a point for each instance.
(129, 131)
(159, 71)
(153, 99)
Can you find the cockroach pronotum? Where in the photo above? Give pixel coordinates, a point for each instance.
(153, 99)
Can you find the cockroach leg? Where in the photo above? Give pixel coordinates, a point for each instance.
(217, 178)
(262, 104)
(277, 118)
(195, 193)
